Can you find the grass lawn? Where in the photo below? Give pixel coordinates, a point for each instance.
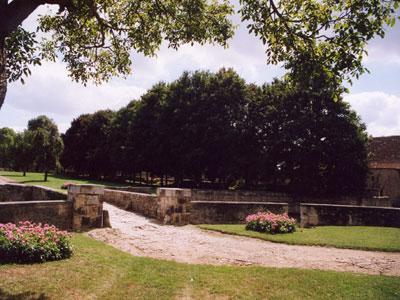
(98, 271)
(352, 237)
(54, 181)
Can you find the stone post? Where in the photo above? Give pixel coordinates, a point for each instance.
(87, 206)
(174, 205)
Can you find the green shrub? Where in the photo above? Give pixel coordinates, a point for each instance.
(270, 223)
(27, 242)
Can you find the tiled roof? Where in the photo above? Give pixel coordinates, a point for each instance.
(384, 152)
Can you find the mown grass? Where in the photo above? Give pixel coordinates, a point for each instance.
(54, 181)
(98, 271)
(350, 237)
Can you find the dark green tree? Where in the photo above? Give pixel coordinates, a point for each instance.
(23, 152)
(87, 145)
(312, 144)
(46, 144)
(7, 144)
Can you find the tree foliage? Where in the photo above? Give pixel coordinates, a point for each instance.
(328, 33)
(86, 144)
(213, 129)
(7, 144)
(44, 141)
(94, 37)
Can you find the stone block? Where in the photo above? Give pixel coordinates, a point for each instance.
(79, 201)
(89, 189)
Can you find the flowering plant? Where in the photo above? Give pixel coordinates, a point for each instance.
(30, 242)
(271, 223)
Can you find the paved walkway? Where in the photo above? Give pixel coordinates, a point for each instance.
(188, 244)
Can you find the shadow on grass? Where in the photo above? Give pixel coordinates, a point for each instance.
(22, 296)
(32, 181)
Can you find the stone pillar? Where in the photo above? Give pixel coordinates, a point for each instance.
(87, 206)
(174, 205)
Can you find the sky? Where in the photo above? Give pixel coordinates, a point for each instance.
(49, 90)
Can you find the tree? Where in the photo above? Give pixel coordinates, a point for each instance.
(23, 152)
(312, 144)
(87, 148)
(7, 143)
(329, 34)
(94, 37)
(46, 143)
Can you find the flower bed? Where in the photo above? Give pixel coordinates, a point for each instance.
(29, 242)
(270, 223)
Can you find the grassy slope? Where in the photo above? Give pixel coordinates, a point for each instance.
(54, 181)
(352, 237)
(100, 271)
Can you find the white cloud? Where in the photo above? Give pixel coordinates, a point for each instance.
(385, 50)
(379, 110)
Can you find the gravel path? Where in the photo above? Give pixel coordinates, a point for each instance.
(4, 180)
(188, 244)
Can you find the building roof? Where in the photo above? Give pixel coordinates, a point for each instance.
(384, 152)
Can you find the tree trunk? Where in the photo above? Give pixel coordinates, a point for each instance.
(3, 70)
(24, 173)
(45, 175)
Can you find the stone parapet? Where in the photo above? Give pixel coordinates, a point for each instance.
(174, 205)
(87, 206)
(313, 214)
(229, 212)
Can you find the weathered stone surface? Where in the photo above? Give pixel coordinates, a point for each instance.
(238, 196)
(325, 214)
(87, 206)
(19, 192)
(88, 189)
(132, 189)
(144, 204)
(173, 205)
(224, 212)
(54, 212)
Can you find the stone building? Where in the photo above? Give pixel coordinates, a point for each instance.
(384, 165)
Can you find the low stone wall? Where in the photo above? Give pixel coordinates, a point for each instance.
(350, 200)
(173, 205)
(312, 214)
(225, 212)
(183, 206)
(133, 189)
(19, 192)
(239, 196)
(144, 204)
(82, 210)
(262, 196)
(54, 212)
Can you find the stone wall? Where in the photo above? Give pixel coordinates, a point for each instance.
(312, 214)
(144, 204)
(87, 206)
(262, 196)
(54, 212)
(351, 200)
(82, 210)
(169, 205)
(385, 182)
(133, 189)
(239, 196)
(225, 212)
(19, 192)
(174, 205)
(183, 206)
